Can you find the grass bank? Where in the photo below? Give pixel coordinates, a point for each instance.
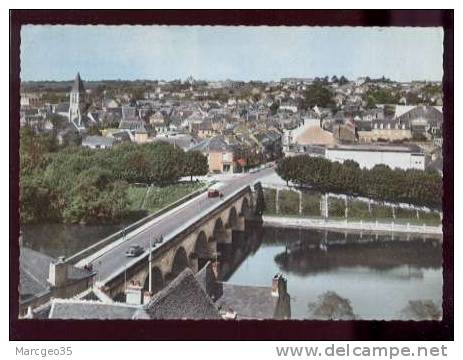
(154, 198)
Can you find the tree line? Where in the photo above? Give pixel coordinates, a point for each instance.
(73, 184)
(421, 188)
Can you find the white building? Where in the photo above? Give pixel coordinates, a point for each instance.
(367, 156)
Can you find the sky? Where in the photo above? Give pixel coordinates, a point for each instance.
(58, 52)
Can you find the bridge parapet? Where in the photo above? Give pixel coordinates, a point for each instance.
(74, 259)
(174, 240)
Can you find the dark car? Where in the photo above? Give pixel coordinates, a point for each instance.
(134, 251)
(212, 193)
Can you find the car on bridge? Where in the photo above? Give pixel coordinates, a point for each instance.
(213, 192)
(134, 251)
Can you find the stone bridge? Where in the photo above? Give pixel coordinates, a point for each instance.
(191, 247)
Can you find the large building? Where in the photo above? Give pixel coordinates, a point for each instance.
(367, 156)
(220, 154)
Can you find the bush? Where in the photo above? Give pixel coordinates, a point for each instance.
(430, 218)
(336, 207)
(289, 202)
(401, 213)
(381, 211)
(311, 204)
(358, 209)
(269, 200)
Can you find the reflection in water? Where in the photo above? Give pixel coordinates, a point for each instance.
(381, 276)
(64, 239)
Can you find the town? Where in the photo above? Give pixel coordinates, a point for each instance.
(241, 125)
(88, 153)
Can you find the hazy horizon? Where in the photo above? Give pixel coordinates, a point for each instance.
(150, 53)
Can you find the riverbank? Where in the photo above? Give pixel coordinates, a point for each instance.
(317, 223)
(76, 240)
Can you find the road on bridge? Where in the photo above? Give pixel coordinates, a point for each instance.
(112, 259)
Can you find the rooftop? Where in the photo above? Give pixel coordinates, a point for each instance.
(183, 298)
(90, 309)
(378, 148)
(249, 302)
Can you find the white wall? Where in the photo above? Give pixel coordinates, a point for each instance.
(369, 159)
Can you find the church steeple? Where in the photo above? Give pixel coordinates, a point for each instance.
(78, 86)
(76, 101)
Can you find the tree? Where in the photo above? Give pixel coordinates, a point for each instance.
(417, 187)
(274, 107)
(343, 80)
(195, 164)
(317, 94)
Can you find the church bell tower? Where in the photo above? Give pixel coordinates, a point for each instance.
(76, 101)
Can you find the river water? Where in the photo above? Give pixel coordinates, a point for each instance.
(378, 274)
(64, 239)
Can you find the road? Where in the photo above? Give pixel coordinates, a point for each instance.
(112, 258)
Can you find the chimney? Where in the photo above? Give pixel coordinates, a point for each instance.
(147, 297)
(279, 285)
(134, 294)
(58, 273)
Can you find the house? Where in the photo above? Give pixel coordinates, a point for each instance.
(204, 129)
(42, 277)
(61, 109)
(65, 309)
(183, 298)
(425, 121)
(220, 154)
(345, 133)
(310, 133)
(31, 100)
(184, 141)
(269, 142)
(98, 142)
(255, 302)
(367, 156)
(141, 135)
(159, 122)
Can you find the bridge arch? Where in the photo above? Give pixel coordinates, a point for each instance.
(245, 207)
(202, 250)
(179, 263)
(219, 234)
(233, 218)
(157, 281)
